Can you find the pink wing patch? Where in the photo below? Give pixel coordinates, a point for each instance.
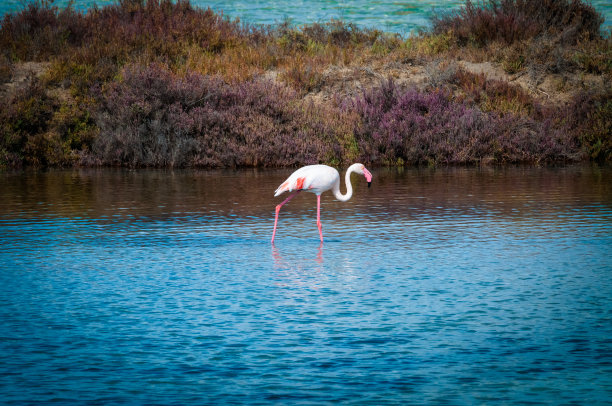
(287, 186)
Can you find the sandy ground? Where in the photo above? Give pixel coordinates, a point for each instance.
(347, 81)
(343, 81)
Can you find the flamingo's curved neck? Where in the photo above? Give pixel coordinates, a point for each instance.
(349, 187)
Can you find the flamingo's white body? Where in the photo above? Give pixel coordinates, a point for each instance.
(318, 179)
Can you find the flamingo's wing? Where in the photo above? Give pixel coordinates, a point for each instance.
(284, 187)
(297, 181)
(317, 177)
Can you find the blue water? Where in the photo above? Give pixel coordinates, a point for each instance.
(404, 17)
(447, 286)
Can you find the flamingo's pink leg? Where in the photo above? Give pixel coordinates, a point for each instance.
(319, 216)
(291, 196)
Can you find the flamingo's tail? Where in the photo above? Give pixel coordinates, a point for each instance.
(281, 189)
(290, 185)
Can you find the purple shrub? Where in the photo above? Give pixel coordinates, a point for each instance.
(40, 30)
(156, 118)
(162, 24)
(514, 20)
(413, 127)
(589, 118)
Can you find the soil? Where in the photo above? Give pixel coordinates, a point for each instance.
(348, 81)
(343, 81)
(21, 73)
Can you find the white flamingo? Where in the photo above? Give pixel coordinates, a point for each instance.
(317, 179)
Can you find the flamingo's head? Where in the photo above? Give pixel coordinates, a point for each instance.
(361, 169)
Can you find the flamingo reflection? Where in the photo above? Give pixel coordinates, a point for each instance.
(280, 262)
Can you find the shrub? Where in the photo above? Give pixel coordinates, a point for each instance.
(431, 128)
(25, 117)
(161, 83)
(153, 117)
(161, 25)
(589, 118)
(37, 129)
(340, 33)
(41, 30)
(495, 95)
(434, 44)
(90, 49)
(475, 89)
(442, 73)
(6, 69)
(303, 75)
(594, 56)
(514, 20)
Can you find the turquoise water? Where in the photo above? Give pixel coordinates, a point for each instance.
(403, 17)
(447, 286)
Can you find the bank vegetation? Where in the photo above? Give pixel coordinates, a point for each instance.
(166, 84)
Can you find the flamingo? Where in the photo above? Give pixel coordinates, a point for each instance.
(318, 179)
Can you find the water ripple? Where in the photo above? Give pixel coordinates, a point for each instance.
(156, 287)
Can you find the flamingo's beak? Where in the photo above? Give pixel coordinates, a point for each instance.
(368, 176)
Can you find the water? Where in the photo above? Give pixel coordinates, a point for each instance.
(447, 286)
(404, 17)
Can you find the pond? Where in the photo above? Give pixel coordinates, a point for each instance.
(403, 17)
(443, 286)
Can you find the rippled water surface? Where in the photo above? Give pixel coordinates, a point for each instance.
(403, 17)
(447, 286)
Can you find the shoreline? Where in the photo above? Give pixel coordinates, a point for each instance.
(225, 96)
